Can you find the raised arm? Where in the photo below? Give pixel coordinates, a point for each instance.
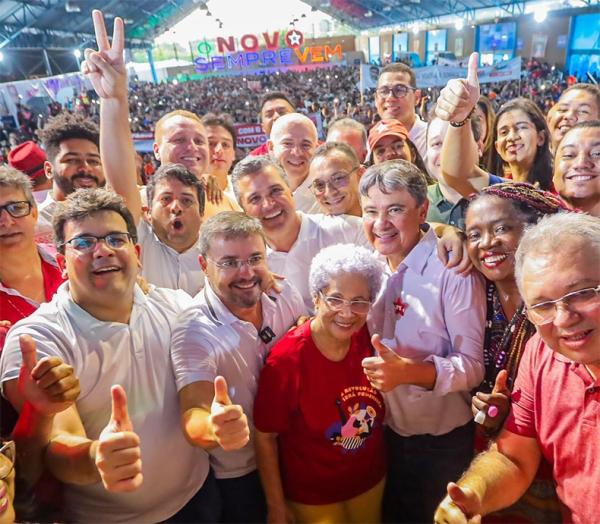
(459, 151)
(496, 479)
(106, 70)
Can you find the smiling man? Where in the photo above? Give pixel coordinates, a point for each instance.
(396, 98)
(229, 331)
(293, 237)
(102, 324)
(577, 167)
(433, 320)
(334, 173)
(578, 103)
(72, 145)
(292, 143)
(555, 397)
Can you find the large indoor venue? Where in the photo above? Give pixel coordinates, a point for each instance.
(300, 261)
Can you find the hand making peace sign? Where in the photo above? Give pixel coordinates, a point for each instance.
(106, 67)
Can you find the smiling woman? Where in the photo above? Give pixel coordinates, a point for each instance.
(495, 222)
(325, 421)
(522, 144)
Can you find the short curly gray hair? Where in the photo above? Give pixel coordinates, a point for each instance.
(333, 261)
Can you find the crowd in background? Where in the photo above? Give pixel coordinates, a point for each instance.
(333, 92)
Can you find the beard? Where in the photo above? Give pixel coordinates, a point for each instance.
(67, 185)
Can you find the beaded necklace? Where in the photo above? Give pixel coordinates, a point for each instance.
(504, 341)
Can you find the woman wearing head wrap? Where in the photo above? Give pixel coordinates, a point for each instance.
(495, 221)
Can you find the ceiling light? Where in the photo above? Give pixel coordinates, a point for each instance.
(540, 14)
(460, 23)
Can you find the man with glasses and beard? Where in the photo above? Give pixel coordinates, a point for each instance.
(72, 144)
(229, 331)
(555, 398)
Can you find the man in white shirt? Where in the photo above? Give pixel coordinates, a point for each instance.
(168, 232)
(396, 98)
(104, 326)
(293, 237)
(229, 331)
(433, 321)
(72, 145)
(292, 143)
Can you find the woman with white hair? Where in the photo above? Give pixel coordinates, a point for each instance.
(319, 439)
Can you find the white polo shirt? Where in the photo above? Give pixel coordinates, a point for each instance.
(165, 267)
(430, 313)
(209, 341)
(316, 232)
(136, 356)
(304, 198)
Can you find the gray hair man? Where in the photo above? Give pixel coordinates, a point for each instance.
(228, 333)
(432, 319)
(555, 396)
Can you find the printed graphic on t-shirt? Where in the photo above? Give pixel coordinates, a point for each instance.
(358, 407)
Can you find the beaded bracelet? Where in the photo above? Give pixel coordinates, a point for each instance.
(460, 124)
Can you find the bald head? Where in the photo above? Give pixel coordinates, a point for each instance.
(293, 142)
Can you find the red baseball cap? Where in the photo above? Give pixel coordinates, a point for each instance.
(28, 158)
(385, 128)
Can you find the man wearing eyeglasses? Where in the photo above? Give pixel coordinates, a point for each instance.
(334, 173)
(396, 97)
(229, 331)
(116, 338)
(556, 397)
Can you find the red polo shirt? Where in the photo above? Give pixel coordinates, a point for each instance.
(557, 402)
(14, 306)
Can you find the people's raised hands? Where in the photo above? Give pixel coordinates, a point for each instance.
(49, 386)
(458, 98)
(230, 425)
(106, 67)
(118, 456)
(460, 506)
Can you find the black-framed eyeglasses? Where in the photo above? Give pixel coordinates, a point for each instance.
(358, 307)
(18, 209)
(397, 91)
(576, 301)
(336, 181)
(234, 264)
(87, 243)
(8, 450)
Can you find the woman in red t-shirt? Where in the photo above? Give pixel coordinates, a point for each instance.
(319, 440)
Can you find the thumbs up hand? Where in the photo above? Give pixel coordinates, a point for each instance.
(496, 403)
(229, 423)
(49, 386)
(458, 98)
(460, 506)
(385, 370)
(118, 456)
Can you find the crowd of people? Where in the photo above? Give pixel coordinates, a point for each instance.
(400, 323)
(333, 92)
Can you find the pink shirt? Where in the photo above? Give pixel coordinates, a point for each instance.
(557, 402)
